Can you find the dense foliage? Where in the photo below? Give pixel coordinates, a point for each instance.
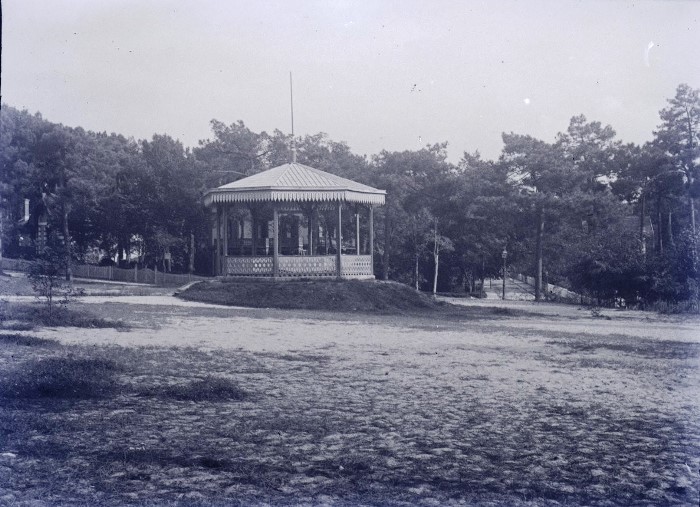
(610, 220)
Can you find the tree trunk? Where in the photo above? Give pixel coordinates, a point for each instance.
(191, 267)
(538, 253)
(387, 247)
(66, 240)
(2, 216)
(670, 228)
(436, 254)
(642, 241)
(659, 221)
(483, 266)
(435, 276)
(416, 272)
(692, 214)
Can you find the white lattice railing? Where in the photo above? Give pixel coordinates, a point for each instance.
(356, 265)
(307, 265)
(248, 266)
(300, 266)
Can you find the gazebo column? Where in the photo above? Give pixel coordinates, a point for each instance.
(371, 238)
(311, 231)
(254, 231)
(217, 267)
(357, 232)
(225, 262)
(339, 241)
(275, 246)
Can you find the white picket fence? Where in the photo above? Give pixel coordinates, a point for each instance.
(134, 275)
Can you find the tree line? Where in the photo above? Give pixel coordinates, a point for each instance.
(612, 220)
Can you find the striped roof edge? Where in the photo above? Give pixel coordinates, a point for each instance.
(295, 182)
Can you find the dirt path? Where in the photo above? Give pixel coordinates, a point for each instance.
(177, 322)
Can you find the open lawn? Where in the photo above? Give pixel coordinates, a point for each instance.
(196, 405)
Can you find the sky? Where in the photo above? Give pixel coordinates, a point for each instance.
(377, 74)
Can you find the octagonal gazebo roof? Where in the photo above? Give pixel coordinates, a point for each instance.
(294, 183)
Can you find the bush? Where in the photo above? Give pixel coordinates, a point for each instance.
(46, 276)
(24, 340)
(666, 307)
(62, 378)
(29, 314)
(208, 388)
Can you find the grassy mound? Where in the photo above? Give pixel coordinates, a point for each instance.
(208, 388)
(330, 295)
(25, 316)
(25, 340)
(62, 377)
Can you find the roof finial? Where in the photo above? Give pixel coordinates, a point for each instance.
(291, 102)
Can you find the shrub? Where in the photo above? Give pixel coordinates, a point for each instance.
(46, 276)
(669, 308)
(62, 377)
(59, 316)
(24, 340)
(208, 388)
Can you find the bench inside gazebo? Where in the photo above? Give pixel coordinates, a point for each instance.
(294, 221)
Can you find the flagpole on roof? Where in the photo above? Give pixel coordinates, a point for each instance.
(291, 103)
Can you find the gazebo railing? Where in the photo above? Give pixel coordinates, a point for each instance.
(299, 266)
(355, 265)
(307, 265)
(265, 246)
(248, 266)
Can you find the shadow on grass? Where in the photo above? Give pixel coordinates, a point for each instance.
(25, 340)
(23, 316)
(208, 388)
(651, 349)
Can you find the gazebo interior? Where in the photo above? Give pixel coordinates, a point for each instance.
(294, 221)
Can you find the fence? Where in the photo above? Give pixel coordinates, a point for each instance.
(15, 264)
(560, 292)
(135, 275)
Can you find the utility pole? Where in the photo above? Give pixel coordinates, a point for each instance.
(291, 106)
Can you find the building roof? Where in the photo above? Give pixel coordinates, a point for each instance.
(294, 183)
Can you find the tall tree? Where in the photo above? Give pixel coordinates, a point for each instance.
(543, 174)
(174, 208)
(233, 153)
(485, 215)
(593, 151)
(413, 181)
(679, 137)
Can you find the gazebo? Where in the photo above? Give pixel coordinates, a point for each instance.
(294, 221)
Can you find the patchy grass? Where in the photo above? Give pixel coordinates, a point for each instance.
(25, 316)
(651, 349)
(15, 284)
(209, 388)
(346, 296)
(62, 378)
(329, 295)
(408, 416)
(15, 325)
(676, 308)
(25, 340)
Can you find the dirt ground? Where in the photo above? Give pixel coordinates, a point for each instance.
(569, 408)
